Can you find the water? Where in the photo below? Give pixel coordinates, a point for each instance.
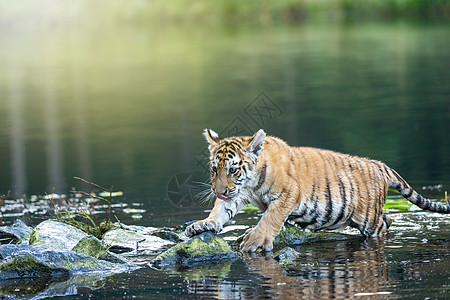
(126, 105)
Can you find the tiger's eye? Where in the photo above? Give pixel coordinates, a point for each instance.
(232, 170)
(214, 169)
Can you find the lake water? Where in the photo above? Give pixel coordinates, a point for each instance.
(125, 107)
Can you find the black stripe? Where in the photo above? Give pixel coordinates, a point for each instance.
(302, 212)
(379, 228)
(378, 187)
(314, 217)
(329, 208)
(229, 213)
(366, 218)
(398, 186)
(419, 199)
(344, 204)
(425, 203)
(408, 194)
(262, 178)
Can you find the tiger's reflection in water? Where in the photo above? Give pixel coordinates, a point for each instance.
(326, 270)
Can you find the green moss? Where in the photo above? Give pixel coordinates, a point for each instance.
(202, 248)
(90, 246)
(35, 238)
(286, 262)
(23, 264)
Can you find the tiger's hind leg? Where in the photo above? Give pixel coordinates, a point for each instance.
(387, 221)
(381, 226)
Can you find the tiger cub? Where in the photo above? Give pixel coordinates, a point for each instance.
(313, 188)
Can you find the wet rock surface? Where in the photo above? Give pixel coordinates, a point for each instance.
(93, 247)
(18, 232)
(207, 247)
(133, 239)
(286, 256)
(24, 261)
(56, 235)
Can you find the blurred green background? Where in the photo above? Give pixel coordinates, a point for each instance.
(118, 92)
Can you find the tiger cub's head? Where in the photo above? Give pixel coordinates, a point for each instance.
(232, 161)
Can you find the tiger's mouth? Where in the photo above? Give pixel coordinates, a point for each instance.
(227, 196)
(222, 196)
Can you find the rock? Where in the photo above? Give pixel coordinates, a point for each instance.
(19, 231)
(204, 248)
(286, 256)
(59, 236)
(56, 235)
(24, 261)
(120, 240)
(92, 246)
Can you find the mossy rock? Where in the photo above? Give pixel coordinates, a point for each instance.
(23, 261)
(56, 235)
(286, 256)
(205, 248)
(92, 246)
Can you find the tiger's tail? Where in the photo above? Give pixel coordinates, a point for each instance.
(398, 183)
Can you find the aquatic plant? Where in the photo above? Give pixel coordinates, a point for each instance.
(80, 217)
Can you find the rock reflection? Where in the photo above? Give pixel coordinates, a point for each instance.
(327, 270)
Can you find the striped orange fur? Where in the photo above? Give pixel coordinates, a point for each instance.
(313, 188)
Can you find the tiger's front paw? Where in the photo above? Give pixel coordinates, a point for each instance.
(254, 239)
(202, 226)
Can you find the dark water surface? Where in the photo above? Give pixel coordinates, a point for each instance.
(125, 106)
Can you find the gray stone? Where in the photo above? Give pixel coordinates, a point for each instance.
(18, 232)
(122, 240)
(56, 235)
(286, 256)
(24, 261)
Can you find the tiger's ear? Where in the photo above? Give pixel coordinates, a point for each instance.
(256, 143)
(211, 137)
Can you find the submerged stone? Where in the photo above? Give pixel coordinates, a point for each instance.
(18, 232)
(24, 261)
(207, 247)
(286, 256)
